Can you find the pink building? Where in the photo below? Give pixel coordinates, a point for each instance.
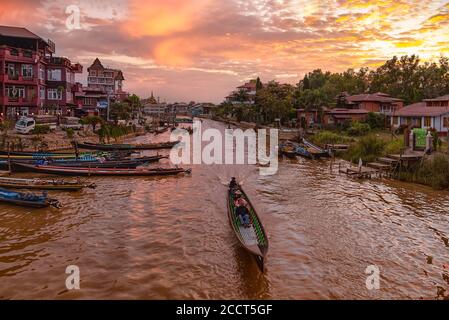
(32, 81)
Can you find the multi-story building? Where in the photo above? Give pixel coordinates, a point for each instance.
(60, 83)
(90, 101)
(106, 79)
(32, 81)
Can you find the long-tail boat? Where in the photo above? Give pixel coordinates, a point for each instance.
(27, 199)
(287, 150)
(40, 154)
(253, 237)
(86, 157)
(82, 171)
(315, 150)
(123, 163)
(44, 184)
(114, 147)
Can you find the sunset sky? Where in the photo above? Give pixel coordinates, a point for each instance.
(201, 49)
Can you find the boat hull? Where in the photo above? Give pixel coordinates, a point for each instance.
(111, 147)
(98, 171)
(24, 200)
(254, 239)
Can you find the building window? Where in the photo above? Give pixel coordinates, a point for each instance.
(41, 73)
(54, 75)
(427, 121)
(68, 94)
(54, 94)
(12, 72)
(15, 92)
(395, 120)
(446, 122)
(28, 54)
(42, 93)
(93, 73)
(27, 70)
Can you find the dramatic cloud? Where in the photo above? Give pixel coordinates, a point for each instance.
(201, 49)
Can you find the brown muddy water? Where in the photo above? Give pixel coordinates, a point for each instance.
(169, 238)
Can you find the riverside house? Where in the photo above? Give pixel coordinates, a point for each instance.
(430, 113)
(351, 108)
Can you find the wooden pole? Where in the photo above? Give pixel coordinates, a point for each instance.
(447, 139)
(9, 159)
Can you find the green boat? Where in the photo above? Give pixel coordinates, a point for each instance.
(253, 238)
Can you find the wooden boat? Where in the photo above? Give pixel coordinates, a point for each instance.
(41, 184)
(42, 154)
(81, 171)
(46, 156)
(27, 199)
(254, 239)
(124, 163)
(293, 149)
(287, 150)
(114, 147)
(315, 150)
(162, 130)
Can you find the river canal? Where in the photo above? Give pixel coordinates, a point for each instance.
(169, 238)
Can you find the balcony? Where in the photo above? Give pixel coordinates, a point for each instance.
(16, 78)
(19, 102)
(18, 55)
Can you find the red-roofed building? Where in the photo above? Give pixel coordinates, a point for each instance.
(244, 94)
(430, 113)
(106, 79)
(375, 102)
(32, 80)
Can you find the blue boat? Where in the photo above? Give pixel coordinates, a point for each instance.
(27, 199)
(303, 152)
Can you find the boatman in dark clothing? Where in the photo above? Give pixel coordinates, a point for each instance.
(233, 184)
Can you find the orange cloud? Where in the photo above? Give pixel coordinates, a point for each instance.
(164, 17)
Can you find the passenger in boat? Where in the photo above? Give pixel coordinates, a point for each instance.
(241, 209)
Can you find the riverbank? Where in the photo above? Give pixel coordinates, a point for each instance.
(370, 145)
(57, 140)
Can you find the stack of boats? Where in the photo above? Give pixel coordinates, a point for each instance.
(304, 149)
(107, 160)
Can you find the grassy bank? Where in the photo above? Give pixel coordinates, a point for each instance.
(433, 171)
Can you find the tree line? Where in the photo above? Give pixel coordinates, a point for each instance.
(407, 78)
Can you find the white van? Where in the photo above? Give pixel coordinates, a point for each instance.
(25, 125)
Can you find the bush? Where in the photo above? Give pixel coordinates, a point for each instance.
(367, 148)
(70, 133)
(375, 120)
(435, 172)
(41, 129)
(358, 129)
(394, 146)
(329, 137)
